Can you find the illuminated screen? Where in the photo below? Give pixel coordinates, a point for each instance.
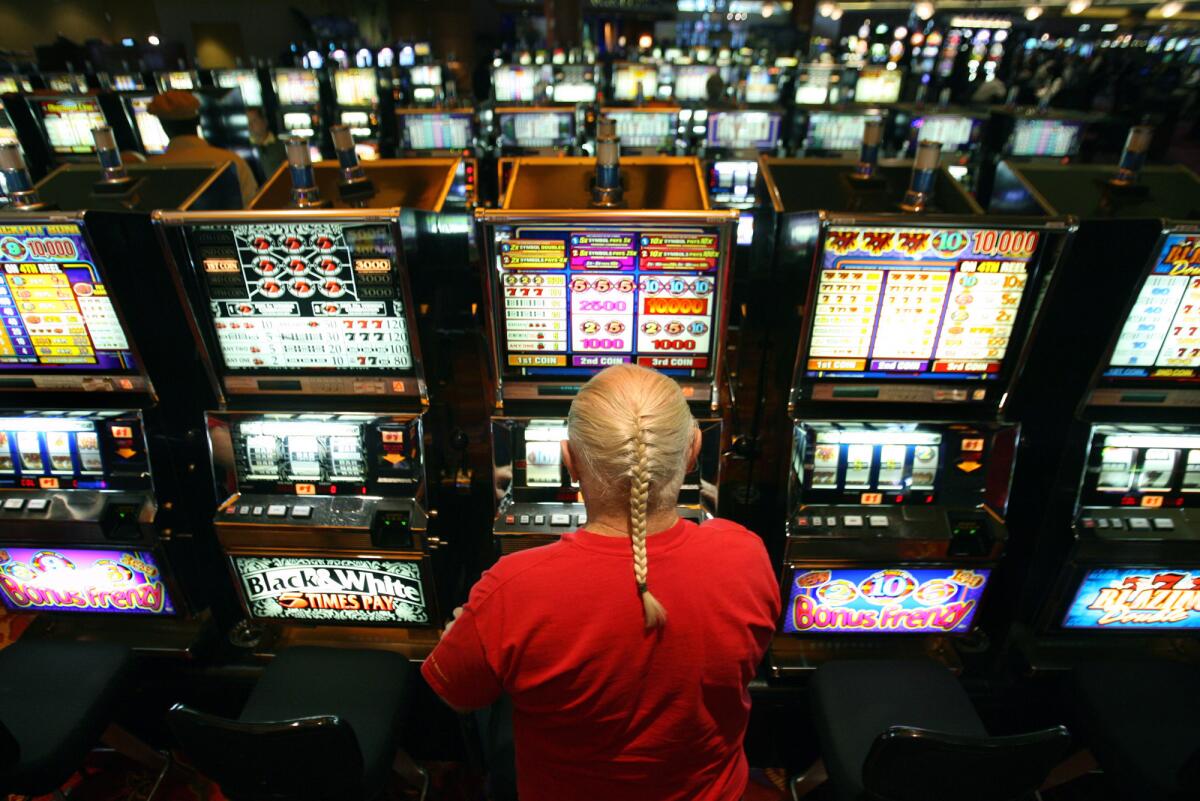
(67, 82)
(732, 181)
(76, 450)
(878, 86)
(941, 600)
(436, 131)
(297, 87)
(54, 304)
(176, 80)
(107, 582)
(576, 299)
(329, 590)
(740, 130)
(691, 81)
(294, 297)
(299, 123)
(815, 85)
(127, 82)
(1142, 468)
(1160, 339)
(537, 129)
(644, 128)
(246, 80)
(877, 463)
(954, 132)
(356, 87)
(150, 130)
(359, 123)
(543, 453)
(313, 454)
(762, 85)
(829, 130)
(8, 134)
(426, 75)
(909, 303)
(69, 121)
(573, 92)
(515, 84)
(1045, 138)
(11, 84)
(627, 78)
(1136, 599)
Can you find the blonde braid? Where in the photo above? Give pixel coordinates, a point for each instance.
(639, 497)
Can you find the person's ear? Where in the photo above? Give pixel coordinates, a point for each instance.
(569, 460)
(694, 451)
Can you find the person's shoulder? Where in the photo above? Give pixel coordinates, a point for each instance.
(513, 571)
(728, 534)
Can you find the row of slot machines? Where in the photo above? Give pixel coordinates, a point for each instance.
(922, 349)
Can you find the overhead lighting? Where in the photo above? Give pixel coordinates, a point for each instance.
(768, 10)
(153, 40)
(128, 42)
(923, 10)
(1078, 6)
(837, 13)
(826, 9)
(645, 41)
(1170, 9)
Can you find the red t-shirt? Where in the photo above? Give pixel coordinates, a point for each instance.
(603, 708)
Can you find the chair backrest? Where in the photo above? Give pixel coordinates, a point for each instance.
(310, 759)
(10, 749)
(909, 764)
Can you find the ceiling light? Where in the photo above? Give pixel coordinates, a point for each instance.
(1033, 12)
(1078, 6)
(924, 9)
(1170, 9)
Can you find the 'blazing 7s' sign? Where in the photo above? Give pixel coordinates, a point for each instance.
(319, 589)
(1136, 598)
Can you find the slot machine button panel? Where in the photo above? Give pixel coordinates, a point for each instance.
(1164, 524)
(302, 512)
(523, 520)
(581, 520)
(243, 510)
(1099, 522)
(1116, 522)
(539, 520)
(277, 510)
(852, 521)
(510, 520)
(802, 521)
(257, 511)
(878, 521)
(560, 520)
(14, 504)
(37, 505)
(1139, 524)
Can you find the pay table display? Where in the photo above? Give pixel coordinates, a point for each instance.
(288, 298)
(576, 84)
(436, 131)
(743, 130)
(537, 129)
(909, 303)
(246, 80)
(1045, 138)
(577, 298)
(878, 86)
(762, 85)
(691, 82)
(628, 78)
(356, 87)
(956, 133)
(297, 88)
(515, 84)
(817, 85)
(644, 128)
(68, 123)
(830, 130)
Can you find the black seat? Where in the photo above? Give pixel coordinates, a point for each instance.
(906, 730)
(321, 724)
(1142, 722)
(56, 700)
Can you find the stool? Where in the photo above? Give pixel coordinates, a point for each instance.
(321, 723)
(56, 700)
(906, 731)
(1141, 720)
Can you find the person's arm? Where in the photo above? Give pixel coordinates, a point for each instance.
(458, 670)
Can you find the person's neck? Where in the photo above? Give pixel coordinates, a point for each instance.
(616, 524)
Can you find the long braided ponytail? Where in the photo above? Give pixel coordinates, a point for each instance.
(631, 430)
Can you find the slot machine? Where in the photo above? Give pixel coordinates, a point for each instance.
(305, 323)
(762, 85)
(670, 183)
(901, 462)
(15, 84)
(55, 129)
(960, 132)
(835, 133)
(574, 83)
(181, 80)
(363, 109)
(554, 319)
(152, 139)
(633, 82)
(298, 109)
(97, 519)
(532, 131)
(877, 85)
(66, 83)
(690, 83)
(525, 84)
(425, 86)
(443, 133)
(733, 142)
(823, 84)
(8, 136)
(123, 82)
(647, 130)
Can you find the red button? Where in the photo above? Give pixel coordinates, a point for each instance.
(510, 519)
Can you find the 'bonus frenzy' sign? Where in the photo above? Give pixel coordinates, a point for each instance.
(389, 591)
(79, 580)
(883, 601)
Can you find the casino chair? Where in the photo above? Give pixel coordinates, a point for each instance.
(321, 724)
(899, 730)
(1141, 721)
(57, 699)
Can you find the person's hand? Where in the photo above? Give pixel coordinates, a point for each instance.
(450, 623)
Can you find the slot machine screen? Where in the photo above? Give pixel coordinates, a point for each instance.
(894, 464)
(83, 580)
(357, 87)
(627, 78)
(436, 131)
(57, 317)
(575, 83)
(1045, 138)
(733, 182)
(816, 85)
(68, 122)
(150, 130)
(743, 130)
(543, 454)
(303, 298)
(426, 75)
(917, 304)
(762, 85)
(574, 298)
(691, 81)
(298, 123)
(13, 84)
(537, 129)
(956, 133)
(878, 86)
(1159, 343)
(829, 130)
(126, 82)
(78, 450)
(517, 84)
(1147, 467)
(1135, 598)
(8, 134)
(883, 600)
(645, 128)
(67, 83)
(324, 454)
(359, 123)
(297, 88)
(246, 80)
(181, 80)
